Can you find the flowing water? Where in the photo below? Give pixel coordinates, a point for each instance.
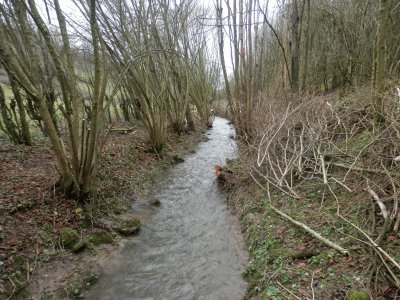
(190, 247)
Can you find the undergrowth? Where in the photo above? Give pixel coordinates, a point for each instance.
(323, 162)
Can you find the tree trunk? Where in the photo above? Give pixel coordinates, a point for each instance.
(9, 127)
(306, 47)
(26, 135)
(295, 45)
(222, 58)
(380, 60)
(116, 111)
(189, 118)
(249, 70)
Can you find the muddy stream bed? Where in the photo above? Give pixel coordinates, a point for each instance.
(190, 247)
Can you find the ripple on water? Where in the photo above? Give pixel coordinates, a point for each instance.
(190, 248)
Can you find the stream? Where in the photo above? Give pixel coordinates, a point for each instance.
(191, 246)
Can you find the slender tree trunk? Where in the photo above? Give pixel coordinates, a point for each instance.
(72, 85)
(295, 45)
(26, 135)
(380, 60)
(9, 127)
(189, 119)
(241, 48)
(249, 69)
(222, 58)
(116, 111)
(88, 170)
(306, 47)
(236, 50)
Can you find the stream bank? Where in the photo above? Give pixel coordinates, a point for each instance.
(33, 264)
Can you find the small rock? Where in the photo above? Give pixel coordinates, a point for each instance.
(128, 227)
(177, 159)
(155, 202)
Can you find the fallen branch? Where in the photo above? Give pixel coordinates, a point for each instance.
(311, 231)
(324, 174)
(378, 201)
(373, 244)
(287, 290)
(359, 169)
(122, 130)
(342, 184)
(312, 286)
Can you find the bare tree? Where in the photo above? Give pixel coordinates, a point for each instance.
(78, 168)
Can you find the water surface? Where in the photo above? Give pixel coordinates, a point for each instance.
(190, 247)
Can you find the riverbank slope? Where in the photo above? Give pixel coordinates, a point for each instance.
(314, 192)
(33, 214)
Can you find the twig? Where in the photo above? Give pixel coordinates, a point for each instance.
(322, 160)
(396, 225)
(311, 231)
(295, 196)
(360, 169)
(14, 288)
(378, 201)
(312, 286)
(395, 278)
(342, 184)
(287, 290)
(372, 242)
(324, 174)
(393, 214)
(353, 165)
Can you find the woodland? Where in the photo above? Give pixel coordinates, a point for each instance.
(96, 97)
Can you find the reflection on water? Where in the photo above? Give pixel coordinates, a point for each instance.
(190, 247)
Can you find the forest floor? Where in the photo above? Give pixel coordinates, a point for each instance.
(286, 262)
(33, 262)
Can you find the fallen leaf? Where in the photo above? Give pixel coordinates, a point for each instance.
(390, 238)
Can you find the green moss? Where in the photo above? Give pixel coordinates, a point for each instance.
(76, 289)
(177, 159)
(128, 227)
(80, 246)
(46, 238)
(101, 237)
(69, 237)
(357, 295)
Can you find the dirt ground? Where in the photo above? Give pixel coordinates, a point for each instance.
(32, 211)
